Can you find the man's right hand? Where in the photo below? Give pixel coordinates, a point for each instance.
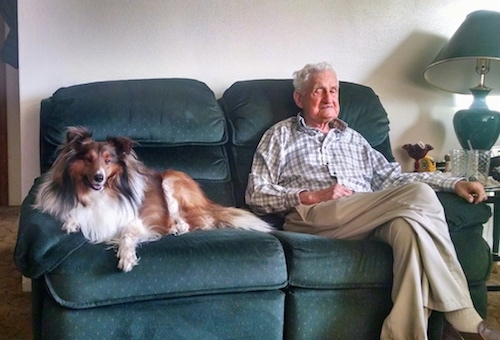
(334, 192)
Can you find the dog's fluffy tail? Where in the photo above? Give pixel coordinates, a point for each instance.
(243, 219)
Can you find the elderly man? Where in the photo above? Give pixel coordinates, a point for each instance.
(327, 180)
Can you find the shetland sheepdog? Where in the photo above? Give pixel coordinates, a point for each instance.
(102, 190)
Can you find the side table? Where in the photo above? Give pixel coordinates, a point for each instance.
(494, 198)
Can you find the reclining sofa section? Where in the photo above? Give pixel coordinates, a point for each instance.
(226, 283)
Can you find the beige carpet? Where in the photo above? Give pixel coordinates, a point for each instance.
(15, 305)
(494, 297)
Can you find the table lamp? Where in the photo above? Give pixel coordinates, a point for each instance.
(471, 57)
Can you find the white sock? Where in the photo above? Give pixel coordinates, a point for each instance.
(464, 320)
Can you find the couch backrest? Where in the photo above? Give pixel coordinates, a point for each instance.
(177, 124)
(253, 106)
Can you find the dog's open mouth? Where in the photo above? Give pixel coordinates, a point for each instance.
(97, 186)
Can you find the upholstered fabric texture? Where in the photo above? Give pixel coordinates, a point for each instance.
(252, 315)
(223, 284)
(168, 112)
(197, 263)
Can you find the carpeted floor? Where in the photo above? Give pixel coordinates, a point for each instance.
(15, 305)
(494, 297)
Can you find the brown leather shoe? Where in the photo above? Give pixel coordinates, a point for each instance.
(487, 332)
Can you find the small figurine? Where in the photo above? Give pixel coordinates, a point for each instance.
(426, 164)
(417, 152)
(447, 164)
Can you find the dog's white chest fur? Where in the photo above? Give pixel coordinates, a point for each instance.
(103, 220)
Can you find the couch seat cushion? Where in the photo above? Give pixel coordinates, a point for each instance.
(201, 262)
(323, 263)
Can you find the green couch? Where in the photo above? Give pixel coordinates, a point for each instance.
(223, 284)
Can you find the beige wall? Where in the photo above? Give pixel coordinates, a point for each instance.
(385, 44)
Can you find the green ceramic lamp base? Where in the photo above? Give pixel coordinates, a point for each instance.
(478, 126)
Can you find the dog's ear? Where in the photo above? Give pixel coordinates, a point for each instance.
(77, 134)
(123, 145)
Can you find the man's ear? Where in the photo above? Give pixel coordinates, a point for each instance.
(297, 97)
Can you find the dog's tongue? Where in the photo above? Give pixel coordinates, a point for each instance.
(97, 187)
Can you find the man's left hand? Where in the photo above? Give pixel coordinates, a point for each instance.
(472, 192)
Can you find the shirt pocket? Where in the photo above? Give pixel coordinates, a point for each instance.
(351, 165)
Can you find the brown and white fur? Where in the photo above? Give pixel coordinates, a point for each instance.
(104, 191)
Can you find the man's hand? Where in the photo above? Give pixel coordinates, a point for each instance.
(334, 192)
(472, 192)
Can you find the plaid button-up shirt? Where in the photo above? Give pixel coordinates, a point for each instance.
(292, 157)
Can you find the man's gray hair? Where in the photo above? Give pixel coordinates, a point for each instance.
(301, 77)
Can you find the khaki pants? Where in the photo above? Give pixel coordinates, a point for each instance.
(427, 274)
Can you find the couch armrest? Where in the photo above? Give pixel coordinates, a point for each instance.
(41, 245)
(460, 214)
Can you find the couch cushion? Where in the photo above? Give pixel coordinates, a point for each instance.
(323, 263)
(197, 263)
(208, 165)
(343, 313)
(172, 112)
(252, 315)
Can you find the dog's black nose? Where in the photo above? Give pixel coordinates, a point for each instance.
(99, 178)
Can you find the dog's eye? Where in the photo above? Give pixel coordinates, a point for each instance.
(107, 161)
(89, 159)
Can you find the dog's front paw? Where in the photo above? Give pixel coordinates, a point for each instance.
(71, 225)
(179, 227)
(128, 259)
(126, 264)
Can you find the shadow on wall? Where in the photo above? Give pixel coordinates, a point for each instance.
(400, 83)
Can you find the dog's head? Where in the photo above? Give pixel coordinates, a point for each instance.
(90, 163)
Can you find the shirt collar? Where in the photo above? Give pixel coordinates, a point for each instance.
(336, 124)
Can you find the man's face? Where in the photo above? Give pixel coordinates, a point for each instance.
(319, 100)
